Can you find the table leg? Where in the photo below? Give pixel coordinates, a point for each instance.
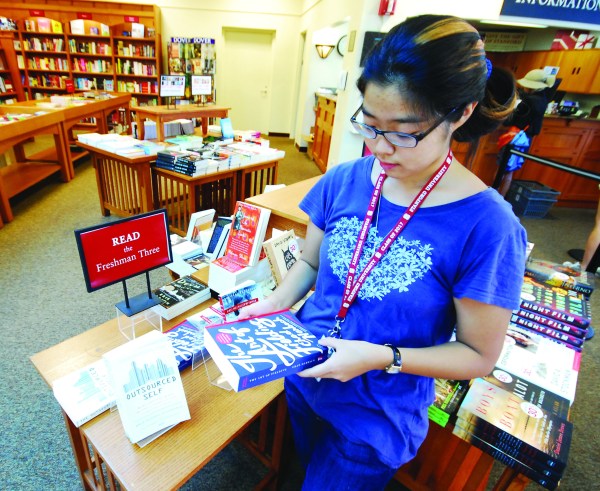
(97, 163)
(140, 126)
(63, 154)
(5, 209)
(204, 124)
(80, 451)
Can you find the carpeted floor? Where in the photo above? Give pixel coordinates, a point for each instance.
(45, 302)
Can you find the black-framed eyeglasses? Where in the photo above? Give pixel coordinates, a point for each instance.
(397, 138)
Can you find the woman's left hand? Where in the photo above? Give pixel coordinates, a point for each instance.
(351, 359)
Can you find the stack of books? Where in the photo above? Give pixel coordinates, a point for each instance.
(172, 160)
(519, 413)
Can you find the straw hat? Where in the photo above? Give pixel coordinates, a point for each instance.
(537, 79)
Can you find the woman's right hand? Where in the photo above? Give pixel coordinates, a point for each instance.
(261, 307)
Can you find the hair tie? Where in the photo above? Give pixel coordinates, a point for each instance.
(488, 64)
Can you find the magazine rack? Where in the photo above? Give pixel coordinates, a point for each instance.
(130, 325)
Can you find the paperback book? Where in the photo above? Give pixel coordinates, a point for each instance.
(187, 341)
(247, 233)
(544, 477)
(448, 396)
(148, 388)
(568, 340)
(180, 295)
(551, 323)
(540, 360)
(570, 307)
(234, 300)
(85, 393)
(257, 350)
(530, 392)
(555, 274)
(282, 252)
(519, 428)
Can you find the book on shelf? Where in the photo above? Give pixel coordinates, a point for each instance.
(282, 252)
(530, 392)
(241, 296)
(555, 274)
(84, 393)
(521, 429)
(147, 384)
(253, 351)
(179, 296)
(540, 360)
(569, 306)
(543, 477)
(187, 340)
(448, 396)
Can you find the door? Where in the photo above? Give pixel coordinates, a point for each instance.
(245, 66)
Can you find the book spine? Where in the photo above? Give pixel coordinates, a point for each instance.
(539, 476)
(553, 323)
(508, 443)
(84, 419)
(438, 415)
(564, 338)
(567, 318)
(567, 285)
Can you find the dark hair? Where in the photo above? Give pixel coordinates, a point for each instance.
(438, 63)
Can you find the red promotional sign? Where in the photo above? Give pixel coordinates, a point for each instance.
(119, 250)
(37, 13)
(69, 86)
(131, 18)
(84, 15)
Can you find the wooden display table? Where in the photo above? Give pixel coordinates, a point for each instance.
(72, 117)
(104, 455)
(26, 172)
(124, 183)
(283, 203)
(163, 114)
(182, 195)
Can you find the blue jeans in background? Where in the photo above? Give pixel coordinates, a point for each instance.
(330, 460)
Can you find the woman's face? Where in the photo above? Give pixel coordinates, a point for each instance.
(385, 109)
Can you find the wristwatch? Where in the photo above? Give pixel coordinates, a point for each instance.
(396, 365)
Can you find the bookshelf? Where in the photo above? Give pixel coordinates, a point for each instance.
(10, 88)
(98, 45)
(137, 66)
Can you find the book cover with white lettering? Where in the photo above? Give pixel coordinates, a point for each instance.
(244, 244)
(180, 295)
(257, 350)
(147, 385)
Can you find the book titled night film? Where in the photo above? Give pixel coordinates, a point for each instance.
(257, 350)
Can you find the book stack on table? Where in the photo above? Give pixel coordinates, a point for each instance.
(519, 413)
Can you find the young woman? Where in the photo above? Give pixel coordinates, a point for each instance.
(402, 247)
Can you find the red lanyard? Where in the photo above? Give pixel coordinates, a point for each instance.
(353, 286)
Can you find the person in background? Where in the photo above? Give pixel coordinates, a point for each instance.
(535, 90)
(404, 248)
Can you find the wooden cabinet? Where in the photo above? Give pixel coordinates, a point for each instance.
(578, 68)
(324, 118)
(568, 141)
(571, 142)
(11, 89)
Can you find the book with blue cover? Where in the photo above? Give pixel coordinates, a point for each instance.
(253, 351)
(187, 341)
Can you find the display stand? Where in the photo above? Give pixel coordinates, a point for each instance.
(215, 377)
(130, 325)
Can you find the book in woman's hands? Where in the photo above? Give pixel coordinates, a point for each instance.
(257, 350)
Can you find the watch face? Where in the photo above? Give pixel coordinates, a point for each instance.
(394, 369)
